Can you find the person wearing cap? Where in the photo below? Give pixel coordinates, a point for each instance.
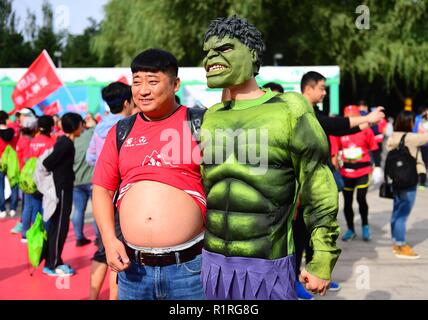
(378, 130)
(355, 170)
(26, 120)
(41, 142)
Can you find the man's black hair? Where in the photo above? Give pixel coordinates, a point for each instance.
(71, 121)
(240, 29)
(274, 86)
(311, 78)
(155, 60)
(177, 99)
(362, 102)
(45, 124)
(115, 94)
(3, 117)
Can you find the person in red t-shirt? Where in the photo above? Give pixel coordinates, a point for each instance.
(355, 170)
(161, 201)
(38, 145)
(26, 124)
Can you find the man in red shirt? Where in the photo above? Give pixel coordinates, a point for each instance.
(161, 202)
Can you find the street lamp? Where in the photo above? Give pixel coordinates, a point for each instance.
(58, 54)
(276, 57)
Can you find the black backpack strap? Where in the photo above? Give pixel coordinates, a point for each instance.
(123, 129)
(195, 116)
(402, 144)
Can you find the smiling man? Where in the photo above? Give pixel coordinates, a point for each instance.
(249, 250)
(160, 199)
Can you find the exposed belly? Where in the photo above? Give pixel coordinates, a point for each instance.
(156, 215)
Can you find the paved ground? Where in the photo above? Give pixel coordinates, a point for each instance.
(369, 270)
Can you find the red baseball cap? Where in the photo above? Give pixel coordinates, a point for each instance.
(351, 111)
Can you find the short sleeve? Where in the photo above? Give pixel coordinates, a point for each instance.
(334, 145)
(371, 140)
(106, 173)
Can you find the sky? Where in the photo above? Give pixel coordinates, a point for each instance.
(71, 15)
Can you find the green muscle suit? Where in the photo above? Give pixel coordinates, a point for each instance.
(251, 206)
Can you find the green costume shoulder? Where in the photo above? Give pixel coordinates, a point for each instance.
(258, 156)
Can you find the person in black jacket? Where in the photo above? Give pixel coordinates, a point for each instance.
(313, 87)
(60, 162)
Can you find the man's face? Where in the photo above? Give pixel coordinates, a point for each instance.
(316, 93)
(363, 108)
(79, 130)
(228, 62)
(154, 92)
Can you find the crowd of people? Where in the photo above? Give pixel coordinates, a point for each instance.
(178, 213)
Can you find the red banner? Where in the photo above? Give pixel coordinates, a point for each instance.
(36, 84)
(123, 80)
(53, 108)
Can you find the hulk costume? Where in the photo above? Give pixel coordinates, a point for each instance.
(248, 251)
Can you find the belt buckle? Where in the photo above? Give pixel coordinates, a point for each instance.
(141, 258)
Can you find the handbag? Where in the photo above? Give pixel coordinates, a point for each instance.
(385, 190)
(37, 237)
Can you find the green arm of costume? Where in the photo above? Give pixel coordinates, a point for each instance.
(318, 191)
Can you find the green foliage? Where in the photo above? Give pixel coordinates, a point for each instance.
(176, 25)
(14, 52)
(46, 37)
(77, 52)
(307, 32)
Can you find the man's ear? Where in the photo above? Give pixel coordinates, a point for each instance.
(253, 55)
(125, 105)
(177, 84)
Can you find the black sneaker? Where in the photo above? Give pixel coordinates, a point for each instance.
(82, 242)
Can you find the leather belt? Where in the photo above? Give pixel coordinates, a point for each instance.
(164, 259)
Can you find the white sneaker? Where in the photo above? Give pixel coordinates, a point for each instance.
(3, 214)
(12, 213)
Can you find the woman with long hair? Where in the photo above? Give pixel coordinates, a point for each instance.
(404, 199)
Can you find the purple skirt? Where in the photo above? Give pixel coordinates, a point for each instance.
(240, 278)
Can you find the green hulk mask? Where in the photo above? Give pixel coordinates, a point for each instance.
(228, 62)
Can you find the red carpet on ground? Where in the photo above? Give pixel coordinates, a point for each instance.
(16, 283)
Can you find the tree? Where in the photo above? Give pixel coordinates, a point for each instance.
(392, 52)
(46, 38)
(14, 52)
(389, 57)
(175, 25)
(77, 52)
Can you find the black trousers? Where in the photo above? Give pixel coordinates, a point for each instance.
(58, 228)
(301, 239)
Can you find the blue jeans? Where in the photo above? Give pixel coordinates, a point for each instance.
(32, 205)
(173, 282)
(81, 195)
(403, 204)
(13, 196)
